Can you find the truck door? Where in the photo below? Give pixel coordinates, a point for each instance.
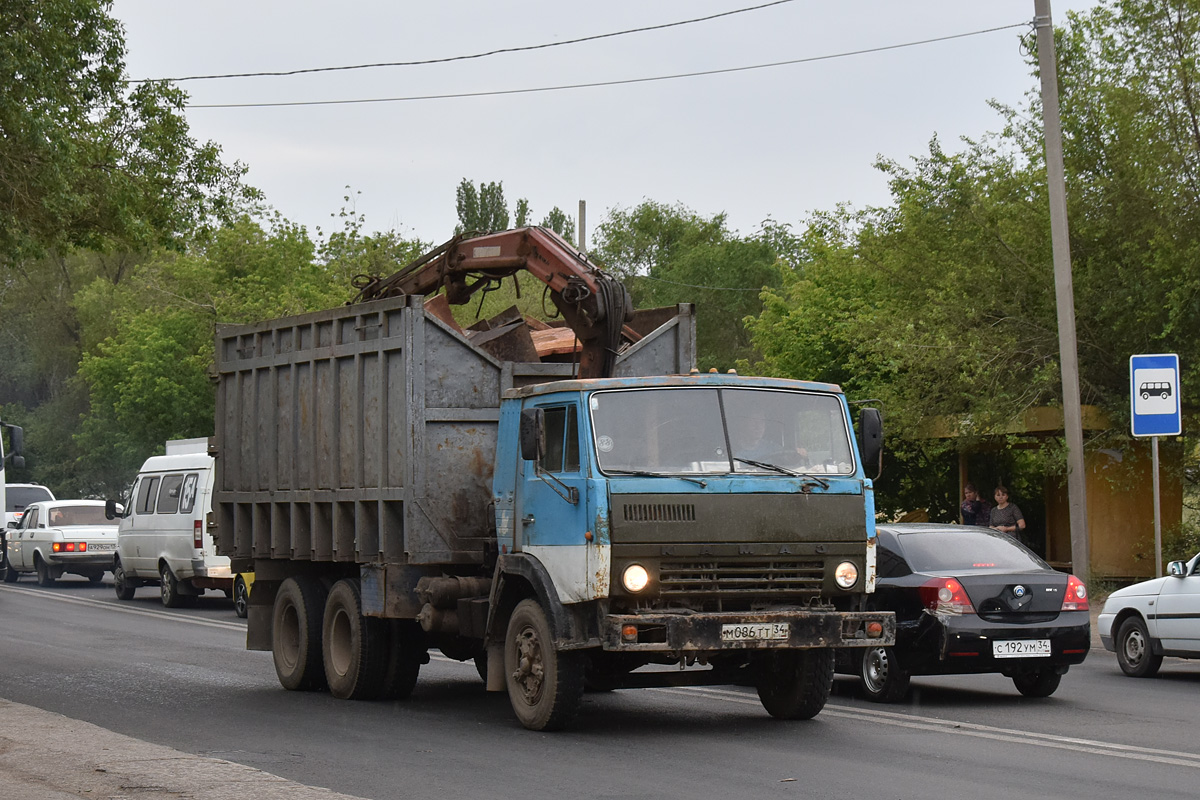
(553, 515)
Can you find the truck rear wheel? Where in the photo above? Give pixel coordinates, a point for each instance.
(794, 684)
(296, 634)
(406, 653)
(354, 648)
(545, 686)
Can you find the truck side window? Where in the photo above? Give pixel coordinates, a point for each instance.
(187, 494)
(562, 440)
(168, 495)
(146, 495)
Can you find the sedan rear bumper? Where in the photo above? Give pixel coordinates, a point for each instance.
(945, 644)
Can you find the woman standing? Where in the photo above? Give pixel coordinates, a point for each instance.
(1007, 518)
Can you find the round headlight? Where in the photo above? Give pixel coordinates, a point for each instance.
(846, 574)
(635, 578)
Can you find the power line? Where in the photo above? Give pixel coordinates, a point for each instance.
(471, 56)
(598, 84)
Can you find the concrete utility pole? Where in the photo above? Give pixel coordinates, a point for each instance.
(583, 226)
(1064, 292)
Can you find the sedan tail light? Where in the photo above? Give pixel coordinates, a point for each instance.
(1076, 599)
(69, 547)
(946, 596)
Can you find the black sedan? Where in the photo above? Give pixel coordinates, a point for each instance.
(970, 600)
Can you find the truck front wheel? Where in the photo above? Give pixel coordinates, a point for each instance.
(794, 684)
(296, 634)
(354, 647)
(545, 686)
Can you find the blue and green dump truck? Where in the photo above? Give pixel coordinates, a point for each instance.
(607, 520)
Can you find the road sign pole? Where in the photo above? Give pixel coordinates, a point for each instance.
(1157, 511)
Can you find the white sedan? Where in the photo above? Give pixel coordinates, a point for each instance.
(1155, 618)
(57, 536)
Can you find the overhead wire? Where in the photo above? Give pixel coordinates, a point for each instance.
(618, 82)
(449, 59)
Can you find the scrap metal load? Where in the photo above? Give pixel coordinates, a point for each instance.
(597, 317)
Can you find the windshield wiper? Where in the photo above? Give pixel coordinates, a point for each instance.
(824, 484)
(641, 473)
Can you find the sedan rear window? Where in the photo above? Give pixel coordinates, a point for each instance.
(933, 551)
(66, 516)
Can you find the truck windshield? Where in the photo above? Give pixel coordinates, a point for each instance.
(709, 431)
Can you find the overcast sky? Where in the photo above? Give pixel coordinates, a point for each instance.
(777, 142)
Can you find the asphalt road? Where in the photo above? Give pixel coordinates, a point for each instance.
(182, 679)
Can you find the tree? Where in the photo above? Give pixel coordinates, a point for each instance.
(480, 210)
(942, 302)
(84, 162)
(669, 254)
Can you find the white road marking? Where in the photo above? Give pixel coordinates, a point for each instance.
(914, 721)
(955, 727)
(114, 605)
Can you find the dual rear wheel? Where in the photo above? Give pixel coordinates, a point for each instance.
(322, 640)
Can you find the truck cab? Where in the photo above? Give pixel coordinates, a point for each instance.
(688, 519)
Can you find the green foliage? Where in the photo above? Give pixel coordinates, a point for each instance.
(83, 161)
(481, 210)
(558, 221)
(667, 255)
(942, 304)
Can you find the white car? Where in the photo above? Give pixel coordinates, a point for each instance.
(1160, 617)
(57, 536)
(19, 495)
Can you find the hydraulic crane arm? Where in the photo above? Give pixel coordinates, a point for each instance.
(595, 305)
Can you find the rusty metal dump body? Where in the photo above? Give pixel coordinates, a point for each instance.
(366, 434)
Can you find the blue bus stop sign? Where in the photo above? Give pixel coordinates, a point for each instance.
(1154, 395)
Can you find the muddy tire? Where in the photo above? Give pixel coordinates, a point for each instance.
(795, 684)
(545, 686)
(354, 648)
(296, 634)
(406, 653)
(169, 589)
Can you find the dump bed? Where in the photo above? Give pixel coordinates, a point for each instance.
(367, 433)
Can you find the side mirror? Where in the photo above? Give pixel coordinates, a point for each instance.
(533, 434)
(870, 435)
(1177, 569)
(17, 437)
(18, 462)
(110, 509)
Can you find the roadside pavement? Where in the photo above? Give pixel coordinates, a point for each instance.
(46, 756)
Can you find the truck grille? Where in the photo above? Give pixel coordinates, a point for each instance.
(660, 512)
(754, 577)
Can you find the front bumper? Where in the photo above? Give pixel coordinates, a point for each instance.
(702, 632)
